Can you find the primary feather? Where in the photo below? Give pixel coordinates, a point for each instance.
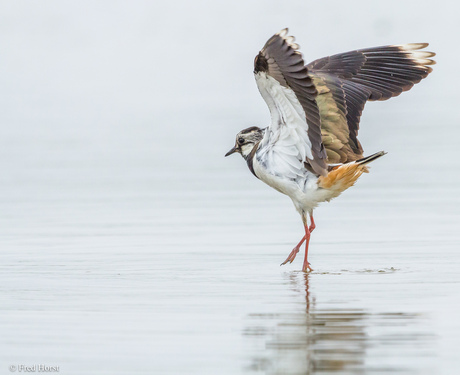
(348, 80)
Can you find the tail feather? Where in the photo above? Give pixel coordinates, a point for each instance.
(370, 158)
(343, 176)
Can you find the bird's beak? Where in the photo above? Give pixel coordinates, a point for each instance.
(232, 151)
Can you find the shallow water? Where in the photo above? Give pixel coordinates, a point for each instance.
(111, 272)
(129, 244)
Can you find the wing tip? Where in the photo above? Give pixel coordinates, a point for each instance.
(283, 32)
(412, 46)
(421, 57)
(289, 39)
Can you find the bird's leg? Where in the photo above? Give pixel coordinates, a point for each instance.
(312, 225)
(296, 249)
(294, 252)
(306, 265)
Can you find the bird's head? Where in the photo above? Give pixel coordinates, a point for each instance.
(246, 140)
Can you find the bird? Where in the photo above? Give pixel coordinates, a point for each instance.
(310, 150)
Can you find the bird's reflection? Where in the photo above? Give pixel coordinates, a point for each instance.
(315, 340)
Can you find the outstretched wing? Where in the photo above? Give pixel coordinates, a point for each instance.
(293, 139)
(346, 81)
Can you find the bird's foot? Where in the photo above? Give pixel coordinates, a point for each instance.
(306, 267)
(291, 256)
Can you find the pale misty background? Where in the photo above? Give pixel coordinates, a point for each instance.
(128, 243)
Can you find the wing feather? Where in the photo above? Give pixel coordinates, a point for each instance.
(356, 77)
(294, 135)
(315, 109)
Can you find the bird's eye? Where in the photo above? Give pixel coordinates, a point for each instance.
(240, 141)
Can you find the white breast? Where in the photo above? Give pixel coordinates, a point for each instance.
(304, 192)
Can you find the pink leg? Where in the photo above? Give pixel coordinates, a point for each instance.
(294, 252)
(306, 265)
(312, 225)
